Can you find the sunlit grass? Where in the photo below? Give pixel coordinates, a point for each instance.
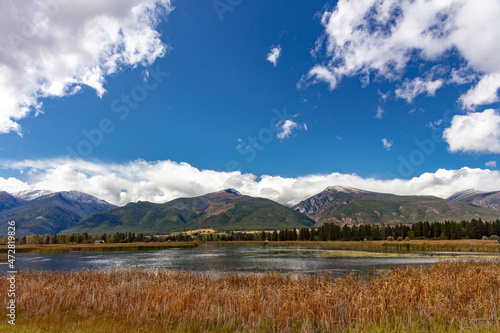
(465, 245)
(444, 297)
(137, 246)
(361, 253)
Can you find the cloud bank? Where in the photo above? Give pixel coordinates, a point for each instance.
(161, 181)
(54, 48)
(364, 37)
(385, 38)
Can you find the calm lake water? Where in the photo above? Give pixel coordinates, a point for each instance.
(217, 258)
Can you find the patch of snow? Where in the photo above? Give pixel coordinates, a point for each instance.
(345, 189)
(467, 192)
(77, 196)
(31, 195)
(82, 197)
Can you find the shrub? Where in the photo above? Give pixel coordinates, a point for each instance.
(400, 239)
(407, 239)
(494, 237)
(485, 237)
(390, 238)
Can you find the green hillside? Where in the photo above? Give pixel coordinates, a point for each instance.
(48, 214)
(7, 201)
(392, 209)
(43, 220)
(221, 211)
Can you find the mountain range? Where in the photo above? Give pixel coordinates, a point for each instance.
(475, 197)
(43, 212)
(347, 205)
(224, 211)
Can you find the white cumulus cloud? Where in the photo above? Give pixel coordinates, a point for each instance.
(387, 144)
(274, 55)
(475, 132)
(412, 88)
(380, 113)
(491, 164)
(381, 37)
(484, 92)
(286, 127)
(161, 181)
(319, 74)
(54, 48)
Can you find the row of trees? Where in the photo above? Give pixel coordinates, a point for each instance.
(475, 229)
(84, 238)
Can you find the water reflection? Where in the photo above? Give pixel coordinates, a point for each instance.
(216, 258)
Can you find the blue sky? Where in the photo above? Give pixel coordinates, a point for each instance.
(372, 103)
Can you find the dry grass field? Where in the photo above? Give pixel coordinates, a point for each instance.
(466, 245)
(444, 297)
(137, 246)
(461, 245)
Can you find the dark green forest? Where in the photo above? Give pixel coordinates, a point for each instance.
(474, 229)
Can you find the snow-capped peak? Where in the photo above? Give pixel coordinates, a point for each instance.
(345, 189)
(82, 197)
(470, 191)
(467, 192)
(29, 195)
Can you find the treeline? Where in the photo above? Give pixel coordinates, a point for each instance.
(84, 238)
(474, 229)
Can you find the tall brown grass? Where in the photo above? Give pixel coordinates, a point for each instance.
(447, 296)
(462, 245)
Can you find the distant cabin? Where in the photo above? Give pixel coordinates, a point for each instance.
(99, 241)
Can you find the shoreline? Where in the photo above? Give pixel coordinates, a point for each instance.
(460, 246)
(137, 246)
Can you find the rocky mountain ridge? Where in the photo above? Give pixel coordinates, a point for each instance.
(343, 205)
(479, 198)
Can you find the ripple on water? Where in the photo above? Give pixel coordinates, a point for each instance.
(230, 257)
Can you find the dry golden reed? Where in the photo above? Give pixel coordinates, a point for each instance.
(447, 296)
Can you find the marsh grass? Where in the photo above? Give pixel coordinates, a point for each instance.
(444, 297)
(460, 247)
(465, 245)
(62, 248)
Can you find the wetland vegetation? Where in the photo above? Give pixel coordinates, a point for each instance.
(443, 297)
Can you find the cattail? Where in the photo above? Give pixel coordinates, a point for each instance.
(455, 295)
